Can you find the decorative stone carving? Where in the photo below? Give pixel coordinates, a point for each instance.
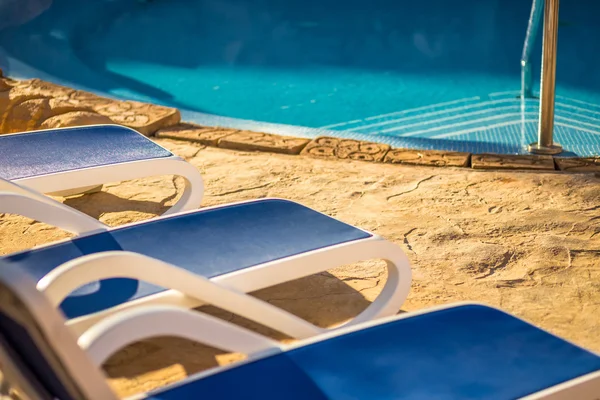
(331, 147)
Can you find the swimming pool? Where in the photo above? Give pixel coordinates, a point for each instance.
(429, 74)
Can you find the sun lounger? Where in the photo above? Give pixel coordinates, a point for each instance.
(69, 161)
(465, 351)
(214, 255)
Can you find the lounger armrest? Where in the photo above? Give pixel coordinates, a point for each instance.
(15, 199)
(130, 326)
(61, 281)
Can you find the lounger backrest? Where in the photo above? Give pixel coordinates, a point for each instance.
(37, 349)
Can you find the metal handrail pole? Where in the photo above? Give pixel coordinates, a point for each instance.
(545, 144)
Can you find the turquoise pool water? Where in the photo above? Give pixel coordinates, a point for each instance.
(429, 74)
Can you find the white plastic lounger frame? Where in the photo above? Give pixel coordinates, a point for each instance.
(229, 291)
(79, 180)
(189, 290)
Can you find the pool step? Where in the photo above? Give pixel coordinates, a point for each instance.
(434, 109)
(475, 117)
(454, 120)
(440, 116)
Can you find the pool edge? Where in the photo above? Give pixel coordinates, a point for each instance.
(53, 101)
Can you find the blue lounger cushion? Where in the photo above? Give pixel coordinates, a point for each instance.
(464, 352)
(208, 242)
(31, 154)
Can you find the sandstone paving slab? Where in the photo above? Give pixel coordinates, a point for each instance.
(208, 136)
(591, 164)
(502, 161)
(255, 141)
(427, 157)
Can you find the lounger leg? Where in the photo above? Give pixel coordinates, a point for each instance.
(388, 302)
(390, 299)
(191, 196)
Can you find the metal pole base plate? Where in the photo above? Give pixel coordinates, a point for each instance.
(537, 149)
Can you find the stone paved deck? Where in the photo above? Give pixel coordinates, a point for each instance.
(526, 242)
